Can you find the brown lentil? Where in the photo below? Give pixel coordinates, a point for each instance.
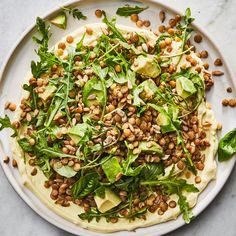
(6, 160)
(229, 90)
(206, 66)
(69, 39)
(139, 23)
(146, 23)
(198, 38)
(61, 46)
(162, 16)
(134, 17)
(14, 163)
(181, 165)
(172, 23)
(162, 28)
(218, 62)
(225, 102)
(34, 172)
(198, 179)
(232, 102)
(217, 73)
(200, 165)
(12, 106)
(172, 204)
(89, 30)
(204, 54)
(98, 13)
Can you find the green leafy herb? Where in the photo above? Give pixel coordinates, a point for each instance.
(47, 59)
(85, 185)
(6, 123)
(227, 146)
(128, 10)
(24, 144)
(186, 30)
(152, 171)
(184, 208)
(100, 191)
(94, 87)
(128, 170)
(111, 26)
(173, 185)
(76, 13)
(33, 95)
(44, 165)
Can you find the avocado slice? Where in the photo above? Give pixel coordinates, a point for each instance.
(49, 90)
(111, 169)
(110, 201)
(155, 148)
(146, 66)
(60, 20)
(185, 87)
(77, 132)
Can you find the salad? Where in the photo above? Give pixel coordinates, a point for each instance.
(115, 124)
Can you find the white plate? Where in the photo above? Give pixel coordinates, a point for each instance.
(18, 63)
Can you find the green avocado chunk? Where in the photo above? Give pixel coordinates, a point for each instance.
(146, 66)
(152, 147)
(60, 20)
(48, 92)
(185, 87)
(110, 201)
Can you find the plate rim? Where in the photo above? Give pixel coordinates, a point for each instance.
(11, 179)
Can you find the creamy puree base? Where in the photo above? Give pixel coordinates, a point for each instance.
(36, 183)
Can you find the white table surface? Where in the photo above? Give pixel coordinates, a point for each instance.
(219, 18)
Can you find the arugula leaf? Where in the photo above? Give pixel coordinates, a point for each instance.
(81, 133)
(24, 144)
(44, 165)
(65, 171)
(47, 59)
(186, 31)
(6, 123)
(227, 146)
(101, 73)
(80, 43)
(112, 169)
(151, 171)
(33, 95)
(172, 185)
(128, 170)
(184, 208)
(96, 87)
(100, 191)
(76, 13)
(111, 26)
(43, 30)
(128, 10)
(85, 185)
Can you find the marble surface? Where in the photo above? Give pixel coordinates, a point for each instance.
(219, 18)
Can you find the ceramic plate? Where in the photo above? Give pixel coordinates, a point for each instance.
(18, 63)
